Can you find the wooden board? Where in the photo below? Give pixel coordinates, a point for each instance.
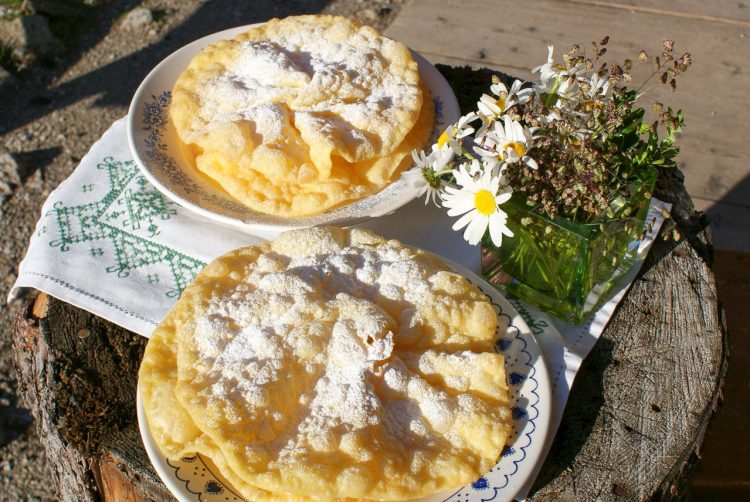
(726, 12)
(636, 416)
(513, 36)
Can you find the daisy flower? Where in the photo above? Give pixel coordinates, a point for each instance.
(598, 86)
(548, 70)
(552, 72)
(491, 107)
(478, 200)
(425, 177)
(596, 91)
(515, 96)
(491, 157)
(567, 90)
(510, 141)
(557, 88)
(455, 132)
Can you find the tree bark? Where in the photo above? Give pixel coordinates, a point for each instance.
(78, 374)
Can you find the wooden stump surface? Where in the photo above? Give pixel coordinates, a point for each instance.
(634, 423)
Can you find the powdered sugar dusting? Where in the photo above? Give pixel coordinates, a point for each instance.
(319, 85)
(325, 324)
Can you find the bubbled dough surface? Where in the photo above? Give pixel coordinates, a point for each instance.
(302, 114)
(331, 363)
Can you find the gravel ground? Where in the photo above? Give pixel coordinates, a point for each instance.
(52, 113)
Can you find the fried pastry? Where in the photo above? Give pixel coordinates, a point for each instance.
(330, 364)
(302, 114)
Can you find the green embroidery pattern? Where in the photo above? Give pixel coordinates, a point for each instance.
(126, 217)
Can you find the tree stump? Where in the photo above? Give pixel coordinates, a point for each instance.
(634, 423)
(78, 374)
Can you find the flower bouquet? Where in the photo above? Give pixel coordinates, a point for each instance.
(554, 177)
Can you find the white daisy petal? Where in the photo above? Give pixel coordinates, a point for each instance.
(415, 155)
(494, 183)
(492, 164)
(463, 178)
(486, 180)
(498, 228)
(476, 229)
(452, 191)
(460, 207)
(498, 88)
(458, 199)
(467, 119)
(496, 233)
(504, 197)
(442, 158)
(463, 221)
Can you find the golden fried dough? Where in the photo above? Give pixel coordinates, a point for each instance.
(330, 364)
(302, 114)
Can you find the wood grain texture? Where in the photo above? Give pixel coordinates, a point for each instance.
(125, 470)
(513, 37)
(38, 373)
(637, 412)
(718, 11)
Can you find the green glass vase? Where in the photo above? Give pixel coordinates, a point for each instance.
(566, 268)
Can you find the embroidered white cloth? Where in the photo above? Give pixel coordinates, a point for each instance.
(110, 243)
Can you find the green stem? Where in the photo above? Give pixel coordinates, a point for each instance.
(540, 261)
(548, 103)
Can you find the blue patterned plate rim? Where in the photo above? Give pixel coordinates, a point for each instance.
(193, 479)
(157, 151)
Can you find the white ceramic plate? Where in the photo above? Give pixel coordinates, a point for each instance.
(156, 149)
(195, 479)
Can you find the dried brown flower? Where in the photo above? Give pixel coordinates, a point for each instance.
(683, 62)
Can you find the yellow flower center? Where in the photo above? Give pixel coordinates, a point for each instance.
(519, 148)
(500, 103)
(485, 202)
(443, 139)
